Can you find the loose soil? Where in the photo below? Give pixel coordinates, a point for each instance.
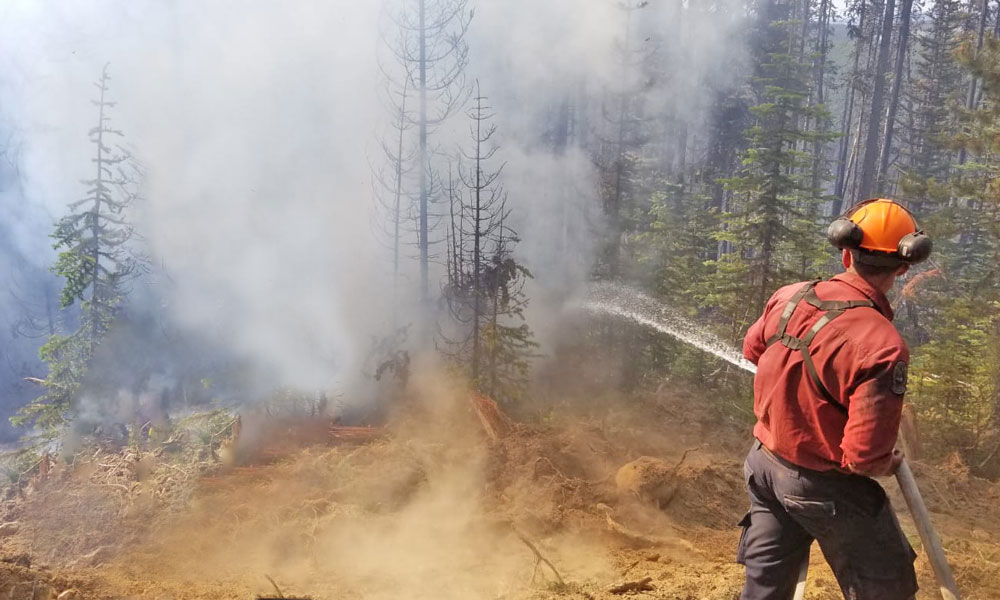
(432, 507)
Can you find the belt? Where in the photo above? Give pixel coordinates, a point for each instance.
(759, 445)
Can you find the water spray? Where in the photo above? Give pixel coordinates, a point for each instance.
(631, 304)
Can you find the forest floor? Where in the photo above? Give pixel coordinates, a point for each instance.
(432, 507)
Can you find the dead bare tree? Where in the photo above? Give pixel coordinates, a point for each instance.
(869, 162)
(393, 202)
(897, 85)
(426, 40)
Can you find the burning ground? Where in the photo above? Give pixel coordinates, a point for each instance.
(449, 499)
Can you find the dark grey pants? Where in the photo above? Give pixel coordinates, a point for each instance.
(849, 515)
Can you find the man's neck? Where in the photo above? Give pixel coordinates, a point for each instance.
(883, 283)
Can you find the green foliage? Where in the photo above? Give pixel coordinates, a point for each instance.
(675, 249)
(508, 342)
(769, 229)
(956, 371)
(68, 358)
(954, 383)
(937, 88)
(16, 464)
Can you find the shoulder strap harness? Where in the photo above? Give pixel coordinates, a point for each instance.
(831, 309)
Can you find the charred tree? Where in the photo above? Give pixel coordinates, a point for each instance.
(857, 33)
(484, 294)
(427, 42)
(866, 183)
(390, 181)
(897, 86)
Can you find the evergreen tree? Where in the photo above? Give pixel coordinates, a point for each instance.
(771, 225)
(872, 146)
(95, 262)
(619, 156)
(860, 29)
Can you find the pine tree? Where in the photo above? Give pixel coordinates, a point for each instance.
(619, 157)
(860, 29)
(95, 262)
(872, 145)
(902, 49)
(771, 223)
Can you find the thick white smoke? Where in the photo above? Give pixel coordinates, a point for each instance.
(254, 120)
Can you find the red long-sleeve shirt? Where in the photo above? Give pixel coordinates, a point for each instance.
(861, 360)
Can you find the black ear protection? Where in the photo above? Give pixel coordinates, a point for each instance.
(913, 248)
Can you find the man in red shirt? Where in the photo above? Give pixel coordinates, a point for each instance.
(828, 395)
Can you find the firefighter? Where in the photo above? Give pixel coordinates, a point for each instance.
(831, 375)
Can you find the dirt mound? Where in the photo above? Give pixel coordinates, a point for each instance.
(433, 506)
(649, 479)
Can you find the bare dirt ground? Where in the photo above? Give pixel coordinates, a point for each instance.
(432, 507)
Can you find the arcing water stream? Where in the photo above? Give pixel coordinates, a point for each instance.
(634, 305)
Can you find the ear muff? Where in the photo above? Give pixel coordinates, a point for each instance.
(844, 234)
(915, 247)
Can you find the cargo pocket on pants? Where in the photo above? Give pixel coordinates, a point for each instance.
(815, 516)
(741, 549)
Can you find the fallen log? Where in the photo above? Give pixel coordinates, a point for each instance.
(355, 434)
(643, 585)
(494, 421)
(639, 540)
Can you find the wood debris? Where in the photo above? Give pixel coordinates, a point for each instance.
(643, 585)
(495, 423)
(539, 558)
(357, 435)
(633, 537)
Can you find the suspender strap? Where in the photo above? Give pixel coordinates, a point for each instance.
(832, 309)
(814, 300)
(820, 324)
(807, 357)
(790, 307)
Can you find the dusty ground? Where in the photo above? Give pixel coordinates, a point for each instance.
(433, 508)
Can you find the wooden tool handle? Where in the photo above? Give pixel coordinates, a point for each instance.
(800, 585)
(929, 537)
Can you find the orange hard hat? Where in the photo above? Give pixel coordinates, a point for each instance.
(883, 231)
(884, 223)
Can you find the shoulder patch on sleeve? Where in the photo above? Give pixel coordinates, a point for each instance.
(899, 378)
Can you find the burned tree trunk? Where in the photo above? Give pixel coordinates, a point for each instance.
(869, 162)
(897, 84)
